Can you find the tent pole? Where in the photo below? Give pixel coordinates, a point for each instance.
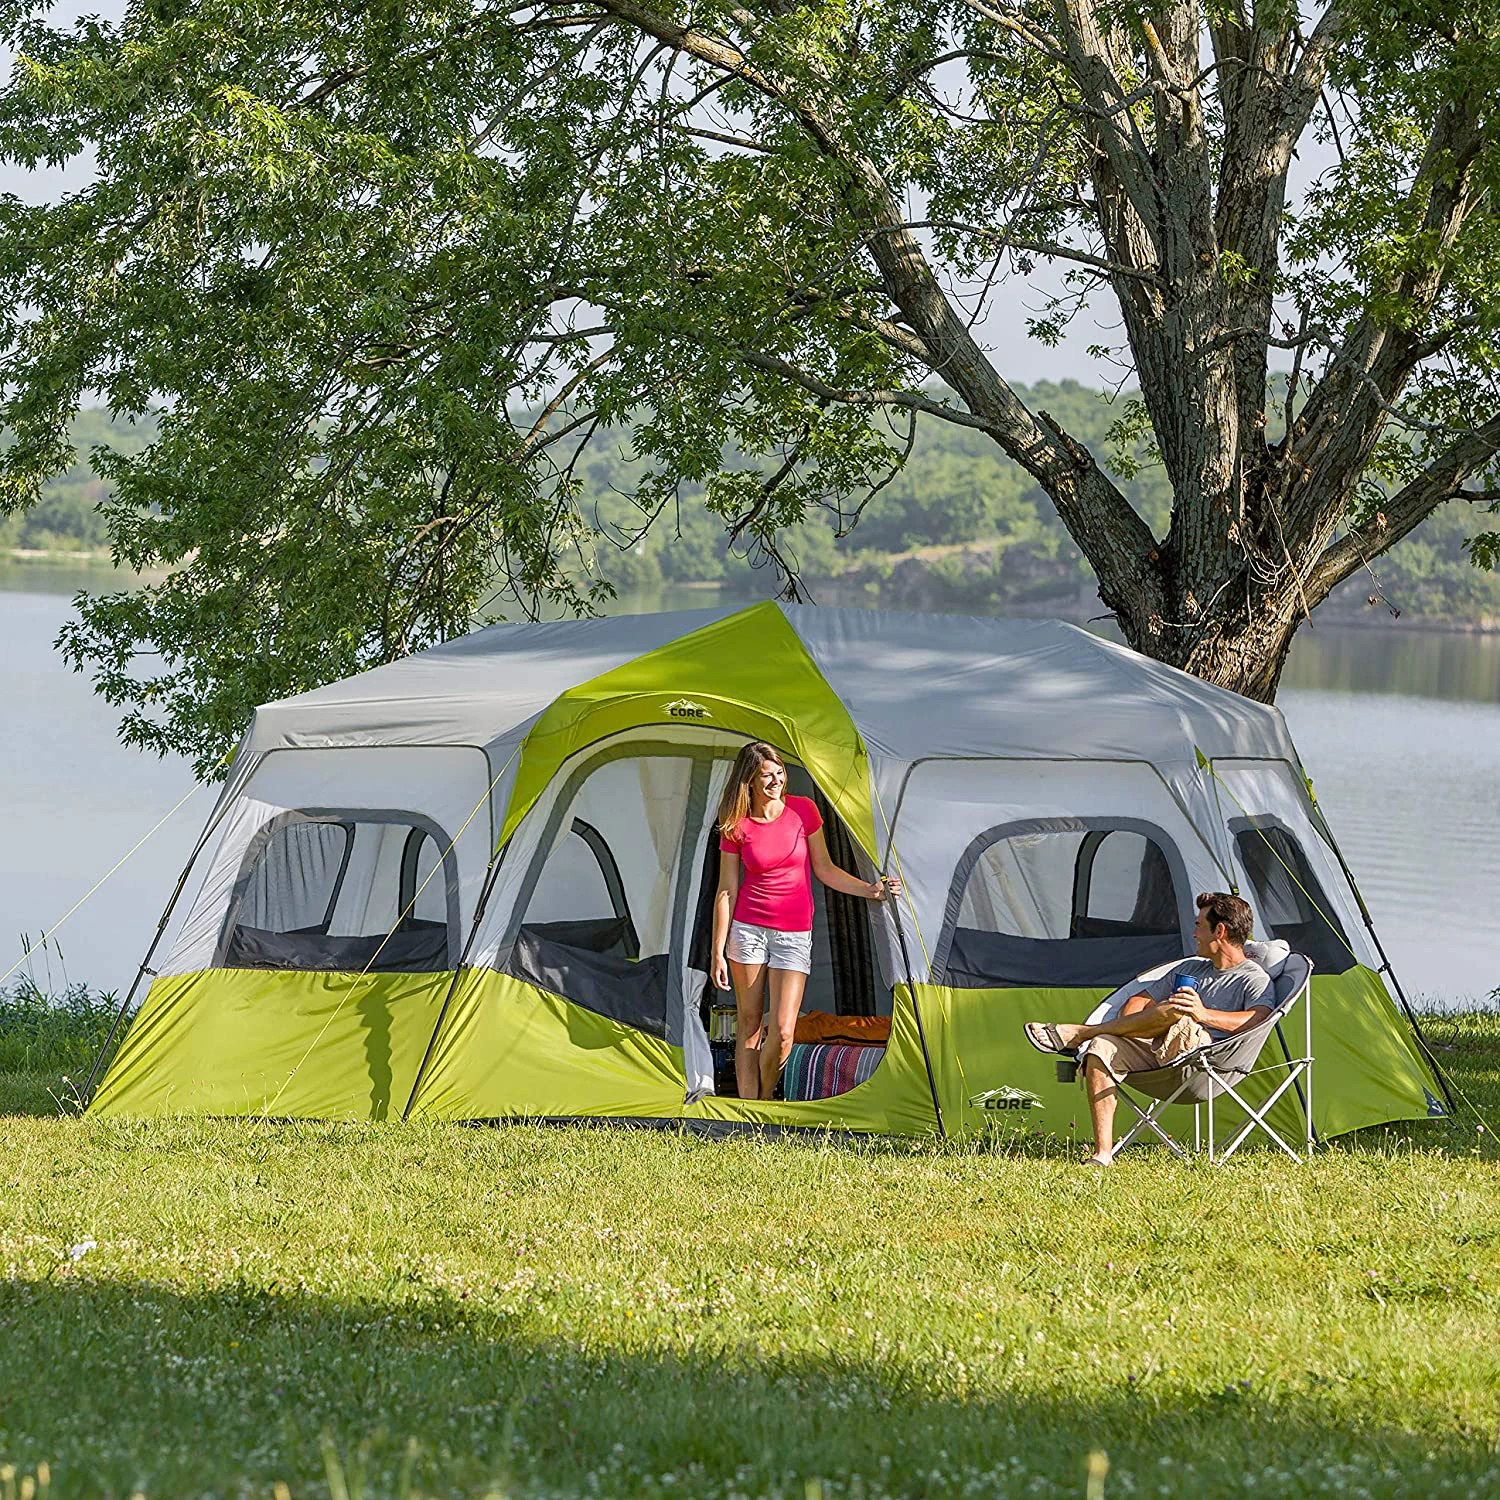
(911, 986)
(463, 957)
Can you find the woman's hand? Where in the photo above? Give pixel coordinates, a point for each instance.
(888, 885)
(718, 971)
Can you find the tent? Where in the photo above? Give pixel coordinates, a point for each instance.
(476, 884)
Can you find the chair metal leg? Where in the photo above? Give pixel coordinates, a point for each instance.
(1307, 1052)
(1256, 1118)
(1148, 1121)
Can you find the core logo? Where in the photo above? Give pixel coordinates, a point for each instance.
(1006, 1097)
(685, 708)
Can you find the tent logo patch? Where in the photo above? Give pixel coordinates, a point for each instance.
(1435, 1110)
(1006, 1097)
(685, 708)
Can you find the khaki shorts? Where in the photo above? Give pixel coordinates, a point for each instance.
(1143, 1054)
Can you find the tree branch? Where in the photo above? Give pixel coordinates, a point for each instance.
(1001, 240)
(1442, 480)
(1268, 103)
(1334, 435)
(910, 400)
(1028, 34)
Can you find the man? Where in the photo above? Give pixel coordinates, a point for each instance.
(1167, 1019)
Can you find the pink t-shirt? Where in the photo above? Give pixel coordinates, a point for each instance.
(776, 884)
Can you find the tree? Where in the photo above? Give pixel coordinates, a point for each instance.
(385, 271)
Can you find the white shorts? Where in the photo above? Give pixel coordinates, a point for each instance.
(769, 946)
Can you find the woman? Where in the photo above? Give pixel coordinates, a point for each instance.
(769, 845)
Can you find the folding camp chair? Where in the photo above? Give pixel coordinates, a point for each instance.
(1202, 1076)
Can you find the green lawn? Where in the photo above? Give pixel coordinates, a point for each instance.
(193, 1308)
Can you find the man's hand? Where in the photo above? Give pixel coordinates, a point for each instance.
(1184, 1005)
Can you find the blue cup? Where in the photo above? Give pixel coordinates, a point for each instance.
(1186, 982)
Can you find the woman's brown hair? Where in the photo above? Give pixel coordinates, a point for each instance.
(734, 805)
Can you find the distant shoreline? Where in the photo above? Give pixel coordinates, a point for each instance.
(101, 561)
(49, 556)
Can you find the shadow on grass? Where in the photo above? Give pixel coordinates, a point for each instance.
(122, 1386)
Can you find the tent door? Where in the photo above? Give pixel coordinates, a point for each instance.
(847, 975)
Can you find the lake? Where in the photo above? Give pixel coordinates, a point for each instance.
(1399, 729)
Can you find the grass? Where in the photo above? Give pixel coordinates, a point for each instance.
(196, 1307)
(48, 1043)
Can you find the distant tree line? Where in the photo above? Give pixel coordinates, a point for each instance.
(957, 488)
(956, 491)
(70, 516)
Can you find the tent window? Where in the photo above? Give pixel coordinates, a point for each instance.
(422, 896)
(1063, 903)
(1289, 901)
(596, 919)
(296, 881)
(344, 892)
(580, 884)
(1122, 884)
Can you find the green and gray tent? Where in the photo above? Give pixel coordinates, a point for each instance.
(476, 884)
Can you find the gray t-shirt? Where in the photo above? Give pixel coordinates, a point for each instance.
(1243, 987)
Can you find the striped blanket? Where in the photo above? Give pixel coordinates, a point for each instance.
(818, 1070)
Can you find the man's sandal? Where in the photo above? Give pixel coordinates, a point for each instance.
(1044, 1036)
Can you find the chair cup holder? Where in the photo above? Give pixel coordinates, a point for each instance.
(1067, 1070)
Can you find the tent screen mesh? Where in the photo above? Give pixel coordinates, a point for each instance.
(342, 894)
(295, 882)
(1289, 901)
(1067, 907)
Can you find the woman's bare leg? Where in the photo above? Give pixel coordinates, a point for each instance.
(785, 1000)
(749, 1008)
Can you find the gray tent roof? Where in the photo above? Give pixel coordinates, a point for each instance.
(916, 685)
(954, 685)
(469, 691)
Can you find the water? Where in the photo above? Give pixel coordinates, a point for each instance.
(1400, 731)
(1401, 736)
(77, 800)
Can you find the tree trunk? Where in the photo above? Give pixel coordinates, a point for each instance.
(1243, 652)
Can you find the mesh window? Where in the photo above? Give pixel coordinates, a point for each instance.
(1064, 907)
(596, 923)
(342, 894)
(572, 886)
(1289, 901)
(423, 895)
(1128, 886)
(294, 883)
